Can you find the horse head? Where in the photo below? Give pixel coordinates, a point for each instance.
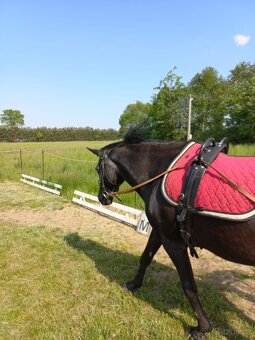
(109, 177)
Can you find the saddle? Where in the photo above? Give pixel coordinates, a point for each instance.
(198, 187)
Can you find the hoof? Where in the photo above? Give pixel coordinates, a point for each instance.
(129, 287)
(197, 333)
(125, 288)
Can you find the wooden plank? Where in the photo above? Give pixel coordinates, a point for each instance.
(41, 184)
(106, 212)
(41, 181)
(143, 225)
(42, 187)
(140, 222)
(114, 205)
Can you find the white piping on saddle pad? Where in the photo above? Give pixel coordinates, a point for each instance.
(170, 167)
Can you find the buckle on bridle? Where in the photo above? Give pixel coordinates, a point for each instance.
(110, 194)
(106, 194)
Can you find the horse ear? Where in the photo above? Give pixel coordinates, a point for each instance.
(94, 151)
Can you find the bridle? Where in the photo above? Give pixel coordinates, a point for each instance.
(104, 178)
(113, 192)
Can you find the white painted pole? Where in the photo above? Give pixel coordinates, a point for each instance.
(189, 135)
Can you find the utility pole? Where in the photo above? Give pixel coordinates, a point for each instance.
(189, 135)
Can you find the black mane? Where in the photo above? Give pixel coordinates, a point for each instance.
(136, 134)
(142, 133)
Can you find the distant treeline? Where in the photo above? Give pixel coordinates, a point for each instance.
(44, 134)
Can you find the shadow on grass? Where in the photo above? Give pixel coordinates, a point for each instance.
(162, 289)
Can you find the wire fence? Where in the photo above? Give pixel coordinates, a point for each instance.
(68, 159)
(9, 151)
(42, 155)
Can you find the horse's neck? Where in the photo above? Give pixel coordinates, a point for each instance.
(143, 161)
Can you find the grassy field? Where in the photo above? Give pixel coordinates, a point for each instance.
(69, 164)
(62, 268)
(242, 150)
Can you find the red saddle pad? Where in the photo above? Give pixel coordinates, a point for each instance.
(215, 196)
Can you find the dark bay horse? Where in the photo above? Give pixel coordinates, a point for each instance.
(135, 161)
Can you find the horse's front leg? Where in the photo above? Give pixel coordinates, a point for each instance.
(179, 255)
(150, 250)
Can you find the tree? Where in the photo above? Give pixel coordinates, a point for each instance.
(39, 136)
(169, 109)
(209, 105)
(12, 118)
(241, 103)
(133, 114)
(221, 107)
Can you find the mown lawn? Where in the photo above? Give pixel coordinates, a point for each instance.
(55, 286)
(68, 287)
(60, 283)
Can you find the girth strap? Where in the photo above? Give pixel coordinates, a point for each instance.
(207, 154)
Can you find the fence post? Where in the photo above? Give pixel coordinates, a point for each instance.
(42, 164)
(21, 163)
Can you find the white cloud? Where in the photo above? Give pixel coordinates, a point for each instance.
(242, 39)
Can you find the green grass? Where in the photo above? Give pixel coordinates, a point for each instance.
(242, 150)
(69, 287)
(56, 286)
(59, 284)
(74, 170)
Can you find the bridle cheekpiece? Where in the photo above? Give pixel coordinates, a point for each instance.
(103, 177)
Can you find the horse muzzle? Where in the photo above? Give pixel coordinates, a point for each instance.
(104, 198)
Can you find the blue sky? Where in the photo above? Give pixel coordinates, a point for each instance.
(80, 63)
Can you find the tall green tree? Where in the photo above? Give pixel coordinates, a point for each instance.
(134, 114)
(209, 91)
(12, 118)
(241, 103)
(169, 109)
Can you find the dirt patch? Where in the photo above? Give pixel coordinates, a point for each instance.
(28, 206)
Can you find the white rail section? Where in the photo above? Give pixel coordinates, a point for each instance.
(130, 216)
(41, 184)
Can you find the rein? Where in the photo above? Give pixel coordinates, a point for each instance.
(235, 186)
(126, 191)
(232, 184)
